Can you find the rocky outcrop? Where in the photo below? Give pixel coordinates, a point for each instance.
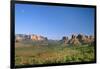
(38, 38)
(78, 40)
(74, 40)
(84, 39)
(65, 40)
(20, 37)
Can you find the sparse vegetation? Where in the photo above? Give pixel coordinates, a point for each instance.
(34, 53)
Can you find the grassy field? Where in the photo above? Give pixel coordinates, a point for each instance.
(34, 54)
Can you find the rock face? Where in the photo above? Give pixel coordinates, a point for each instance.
(84, 39)
(80, 37)
(78, 40)
(35, 37)
(74, 40)
(20, 37)
(65, 39)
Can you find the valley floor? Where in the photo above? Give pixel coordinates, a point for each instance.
(30, 54)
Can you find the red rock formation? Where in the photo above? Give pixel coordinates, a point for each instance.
(36, 37)
(74, 40)
(65, 39)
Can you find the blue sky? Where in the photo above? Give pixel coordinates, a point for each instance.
(53, 21)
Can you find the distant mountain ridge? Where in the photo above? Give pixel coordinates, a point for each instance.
(79, 39)
(74, 40)
(34, 37)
